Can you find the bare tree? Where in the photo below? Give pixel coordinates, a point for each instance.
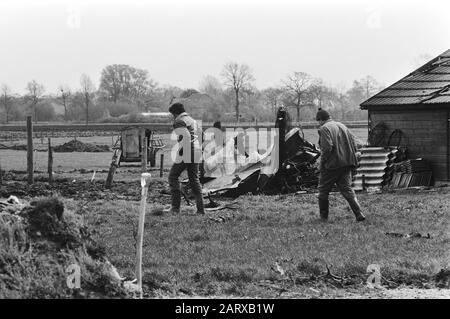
(297, 85)
(371, 86)
(210, 85)
(170, 93)
(272, 98)
(318, 92)
(360, 91)
(87, 89)
(6, 100)
(35, 92)
(237, 77)
(65, 94)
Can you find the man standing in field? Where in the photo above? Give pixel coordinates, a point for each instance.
(188, 157)
(338, 163)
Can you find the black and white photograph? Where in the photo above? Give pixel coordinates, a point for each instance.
(226, 156)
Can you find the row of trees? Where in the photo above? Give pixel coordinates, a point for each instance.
(299, 90)
(126, 90)
(41, 106)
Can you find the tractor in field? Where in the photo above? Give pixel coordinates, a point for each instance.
(130, 148)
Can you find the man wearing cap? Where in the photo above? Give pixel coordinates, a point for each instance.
(338, 163)
(188, 157)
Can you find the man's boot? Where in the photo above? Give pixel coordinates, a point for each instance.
(176, 203)
(324, 209)
(354, 205)
(199, 204)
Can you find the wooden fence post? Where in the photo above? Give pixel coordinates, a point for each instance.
(112, 169)
(30, 168)
(145, 179)
(161, 165)
(144, 154)
(50, 161)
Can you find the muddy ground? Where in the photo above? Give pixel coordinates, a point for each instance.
(85, 189)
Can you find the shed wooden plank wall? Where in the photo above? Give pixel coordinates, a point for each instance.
(424, 134)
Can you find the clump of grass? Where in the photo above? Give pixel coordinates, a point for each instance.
(308, 267)
(155, 281)
(37, 247)
(232, 274)
(442, 278)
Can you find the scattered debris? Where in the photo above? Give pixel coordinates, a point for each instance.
(214, 206)
(12, 205)
(285, 166)
(131, 287)
(221, 218)
(411, 173)
(299, 171)
(410, 235)
(329, 276)
(93, 177)
(262, 174)
(279, 269)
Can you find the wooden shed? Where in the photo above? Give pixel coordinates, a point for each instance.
(415, 113)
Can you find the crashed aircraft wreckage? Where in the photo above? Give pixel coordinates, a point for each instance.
(284, 165)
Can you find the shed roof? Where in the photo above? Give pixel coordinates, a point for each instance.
(429, 84)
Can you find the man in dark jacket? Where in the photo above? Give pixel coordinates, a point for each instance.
(187, 157)
(338, 163)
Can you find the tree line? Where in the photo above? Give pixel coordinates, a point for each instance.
(125, 92)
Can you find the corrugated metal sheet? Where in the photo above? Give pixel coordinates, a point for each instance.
(423, 86)
(374, 168)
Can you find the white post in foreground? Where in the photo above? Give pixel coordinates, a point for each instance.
(145, 179)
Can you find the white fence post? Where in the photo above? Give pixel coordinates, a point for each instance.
(145, 179)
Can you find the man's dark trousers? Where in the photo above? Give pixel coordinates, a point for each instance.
(342, 177)
(174, 184)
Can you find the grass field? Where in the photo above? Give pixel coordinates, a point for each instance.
(236, 252)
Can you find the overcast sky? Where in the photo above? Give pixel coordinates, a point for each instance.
(179, 42)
